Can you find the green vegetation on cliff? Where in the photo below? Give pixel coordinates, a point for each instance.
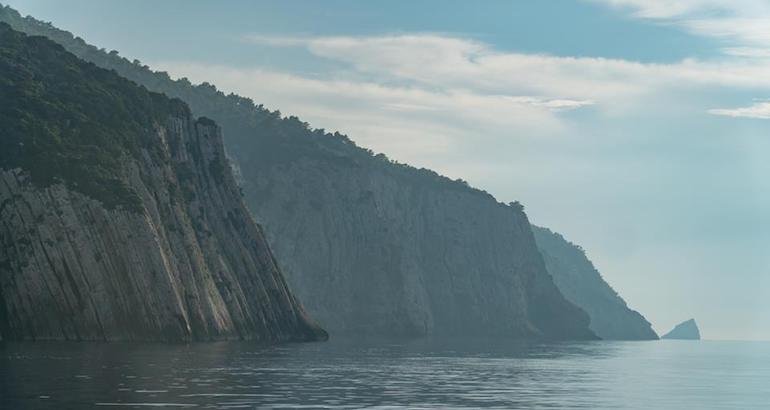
(71, 121)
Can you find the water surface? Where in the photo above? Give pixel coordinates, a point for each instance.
(395, 374)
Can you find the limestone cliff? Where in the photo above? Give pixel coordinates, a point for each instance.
(369, 245)
(583, 285)
(119, 218)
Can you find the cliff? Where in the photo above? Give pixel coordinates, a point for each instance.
(580, 282)
(687, 330)
(120, 219)
(371, 246)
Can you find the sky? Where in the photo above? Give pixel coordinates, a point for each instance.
(639, 129)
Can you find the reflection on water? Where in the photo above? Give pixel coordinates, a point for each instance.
(413, 374)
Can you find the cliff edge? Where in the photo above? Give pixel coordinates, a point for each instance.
(580, 282)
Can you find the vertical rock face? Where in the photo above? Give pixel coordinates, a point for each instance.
(371, 246)
(687, 330)
(376, 248)
(581, 284)
(150, 242)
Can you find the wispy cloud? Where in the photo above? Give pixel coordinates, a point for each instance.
(451, 61)
(667, 9)
(751, 52)
(760, 110)
(443, 62)
(744, 23)
(432, 61)
(554, 104)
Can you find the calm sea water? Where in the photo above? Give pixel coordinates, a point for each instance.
(406, 374)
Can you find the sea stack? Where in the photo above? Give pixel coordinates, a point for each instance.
(687, 330)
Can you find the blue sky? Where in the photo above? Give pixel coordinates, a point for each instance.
(638, 129)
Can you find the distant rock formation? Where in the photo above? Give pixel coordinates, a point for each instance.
(580, 282)
(120, 217)
(687, 330)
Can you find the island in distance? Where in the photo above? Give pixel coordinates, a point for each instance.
(687, 330)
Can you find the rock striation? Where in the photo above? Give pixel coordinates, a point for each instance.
(372, 247)
(119, 217)
(580, 282)
(687, 330)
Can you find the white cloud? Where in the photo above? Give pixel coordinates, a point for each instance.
(759, 110)
(555, 104)
(438, 62)
(748, 30)
(745, 23)
(441, 61)
(751, 52)
(660, 9)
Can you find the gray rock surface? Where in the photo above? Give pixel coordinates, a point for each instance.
(580, 282)
(687, 330)
(376, 248)
(73, 270)
(119, 217)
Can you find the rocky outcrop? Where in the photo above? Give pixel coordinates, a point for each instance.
(371, 246)
(164, 249)
(687, 330)
(580, 282)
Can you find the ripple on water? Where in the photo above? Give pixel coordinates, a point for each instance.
(601, 375)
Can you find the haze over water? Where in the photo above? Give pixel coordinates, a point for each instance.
(398, 374)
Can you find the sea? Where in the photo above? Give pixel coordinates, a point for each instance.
(388, 374)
